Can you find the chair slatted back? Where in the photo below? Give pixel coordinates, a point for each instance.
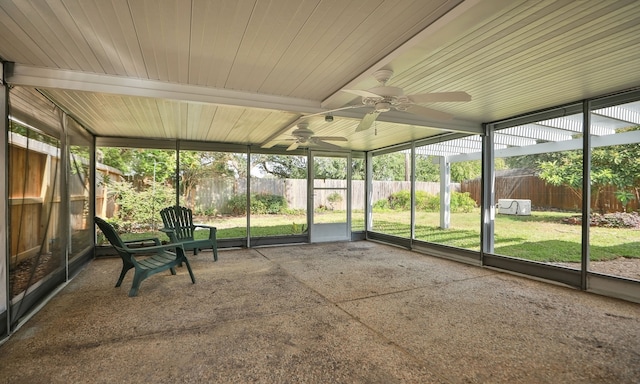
(180, 220)
(110, 233)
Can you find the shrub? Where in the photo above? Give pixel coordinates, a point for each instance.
(237, 204)
(139, 209)
(261, 204)
(210, 211)
(381, 205)
(462, 202)
(334, 198)
(426, 202)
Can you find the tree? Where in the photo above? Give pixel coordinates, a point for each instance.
(617, 166)
(389, 167)
(563, 169)
(427, 168)
(282, 166)
(142, 165)
(195, 166)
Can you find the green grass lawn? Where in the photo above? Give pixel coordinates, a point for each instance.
(540, 237)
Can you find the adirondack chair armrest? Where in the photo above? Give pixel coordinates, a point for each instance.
(155, 240)
(212, 229)
(171, 234)
(156, 248)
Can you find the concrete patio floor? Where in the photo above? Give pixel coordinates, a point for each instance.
(357, 312)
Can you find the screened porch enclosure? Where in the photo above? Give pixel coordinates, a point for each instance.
(501, 136)
(424, 196)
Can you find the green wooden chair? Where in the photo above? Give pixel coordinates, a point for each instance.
(145, 261)
(178, 225)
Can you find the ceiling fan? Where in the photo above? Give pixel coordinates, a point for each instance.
(303, 136)
(384, 98)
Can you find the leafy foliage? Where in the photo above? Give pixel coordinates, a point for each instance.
(426, 202)
(333, 199)
(390, 167)
(139, 209)
(196, 166)
(462, 202)
(261, 203)
(615, 166)
(282, 166)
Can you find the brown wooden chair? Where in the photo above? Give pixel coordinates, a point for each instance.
(178, 225)
(145, 261)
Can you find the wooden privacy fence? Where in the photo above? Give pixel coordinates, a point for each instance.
(214, 194)
(545, 196)
(35, 199)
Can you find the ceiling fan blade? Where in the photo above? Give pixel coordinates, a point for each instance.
(360, 92)
(269, 144)
(428, 112)
(273, 143)
(324, 144)
(293, 146)
(331, 138)
(367, 121)
(439, 97)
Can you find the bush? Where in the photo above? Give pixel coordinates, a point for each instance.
(462, 202)
(261, 204)
(138, 210)
(210, 211)
(425, 202)
(334, 198)
(237, 204)
(381, 205)
(400, 200)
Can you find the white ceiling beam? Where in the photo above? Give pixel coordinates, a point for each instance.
(90, 82)
(513, 140)
(630, 137)
(575, 126)
(537, 132)
(619, 113)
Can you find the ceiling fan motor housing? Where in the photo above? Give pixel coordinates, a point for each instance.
(302, 133)
(383, 106)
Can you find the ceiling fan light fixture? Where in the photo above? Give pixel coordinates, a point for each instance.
(383, 106)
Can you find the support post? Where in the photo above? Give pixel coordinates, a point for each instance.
(177, 173)
(445, 192)
(248, 200)
(4, 201)
(368, 187)
(488, 197)
(586, 191)
(64, 221)
(412, 172)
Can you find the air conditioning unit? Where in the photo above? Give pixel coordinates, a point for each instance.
(520, 207)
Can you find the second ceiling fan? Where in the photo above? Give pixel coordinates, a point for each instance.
(384, 98)
(303, 136)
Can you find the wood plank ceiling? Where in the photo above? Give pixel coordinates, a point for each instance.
(244, 72)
